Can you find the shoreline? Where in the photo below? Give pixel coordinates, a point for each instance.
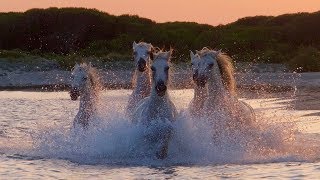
(58, 80)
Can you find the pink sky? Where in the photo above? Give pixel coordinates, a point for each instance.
(212, 12)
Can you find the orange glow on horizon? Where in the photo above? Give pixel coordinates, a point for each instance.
(202, 11)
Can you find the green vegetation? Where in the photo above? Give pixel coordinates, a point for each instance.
(307, 59)
(14, 54)
(71, 34)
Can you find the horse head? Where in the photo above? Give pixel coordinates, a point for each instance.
(160, 71)
(142, 55)
(207, 64)
(79, 80)
(217, 67)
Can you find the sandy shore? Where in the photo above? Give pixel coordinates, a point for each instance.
(59, 80)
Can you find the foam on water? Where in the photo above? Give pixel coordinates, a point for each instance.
(114, 140)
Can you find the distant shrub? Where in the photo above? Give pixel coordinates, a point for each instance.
(66, 62)
(117, 57)
(96, 48)
(272, 56)
(307, 59)
(12, 54)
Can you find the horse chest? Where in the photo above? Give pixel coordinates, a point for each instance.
(157, 112)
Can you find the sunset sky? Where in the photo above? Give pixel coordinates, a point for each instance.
(212, 12)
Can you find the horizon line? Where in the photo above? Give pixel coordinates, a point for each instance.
(159, 22)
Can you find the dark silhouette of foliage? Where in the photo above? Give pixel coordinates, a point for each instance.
(306, 59)
(89, 32)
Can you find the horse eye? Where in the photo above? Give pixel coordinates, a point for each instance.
(153, 69)
(191, 64)
(210, 66)
(166, 68)
(84, 78)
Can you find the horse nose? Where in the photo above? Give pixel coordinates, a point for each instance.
(161, 86)
(202, 77)
(142, 64)
(75, 89)
(201, 80)
(74, 93)
(195, 75)
(160, 83)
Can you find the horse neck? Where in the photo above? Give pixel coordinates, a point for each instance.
(200, 94)
(215, 84)
(142, 81)
(88, 99)
(157, 100)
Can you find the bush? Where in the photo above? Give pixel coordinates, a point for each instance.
(12, 54)
(272, 56)
(307, 59)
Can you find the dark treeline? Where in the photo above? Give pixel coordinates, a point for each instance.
(289, 38)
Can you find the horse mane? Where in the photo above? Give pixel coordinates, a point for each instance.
(144, 44)
(160, 54)
(226, 69)
(94, 77)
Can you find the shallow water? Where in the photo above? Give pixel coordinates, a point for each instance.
(36, 142)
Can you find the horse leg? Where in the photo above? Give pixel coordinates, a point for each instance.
(248, 112)
(163, 152)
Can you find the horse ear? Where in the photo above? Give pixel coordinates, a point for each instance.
(191, 55)
(155, 55)
(169, 53)
(154, 50)
(75, 66)
(218, 52)
(197, 52)
(134, 44)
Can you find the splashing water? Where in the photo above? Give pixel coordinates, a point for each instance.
(112, 139)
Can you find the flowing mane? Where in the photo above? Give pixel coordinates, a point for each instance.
(86, 85)
(226, 69)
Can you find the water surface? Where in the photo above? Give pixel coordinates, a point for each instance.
(36, 142)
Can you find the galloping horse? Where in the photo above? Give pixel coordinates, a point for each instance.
(200, 91)
(158, 108)
(216, 70)
(142, 54)
(85, 83)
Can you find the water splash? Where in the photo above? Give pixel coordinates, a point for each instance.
(114, 140)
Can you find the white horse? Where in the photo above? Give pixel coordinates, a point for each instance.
(216, 70)
(157, 109)
(85, 83)
(142, 54)
(200, 91)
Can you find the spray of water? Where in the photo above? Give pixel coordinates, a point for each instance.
(112, 139)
